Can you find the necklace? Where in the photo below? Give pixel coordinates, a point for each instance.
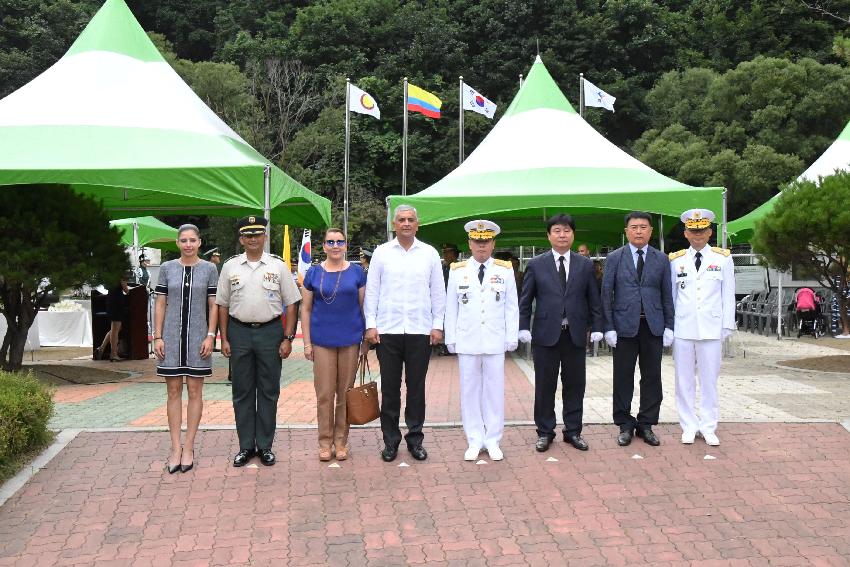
(326, 299)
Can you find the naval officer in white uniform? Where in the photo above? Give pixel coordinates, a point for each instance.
(482, 322)
(704, 299)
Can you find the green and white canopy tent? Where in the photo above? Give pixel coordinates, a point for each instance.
(543, 158)
(112, 119)
(146, 231)
(836, 157)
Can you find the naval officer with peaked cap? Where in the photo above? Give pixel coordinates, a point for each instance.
(482, 322)
(703, 280)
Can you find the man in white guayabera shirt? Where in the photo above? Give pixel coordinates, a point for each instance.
(404, 306)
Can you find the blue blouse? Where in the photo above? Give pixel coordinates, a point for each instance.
(336, 319)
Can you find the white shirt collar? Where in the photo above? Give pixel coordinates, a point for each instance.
(634, 249)
(475, 263)
(416, 243)
(566, 256)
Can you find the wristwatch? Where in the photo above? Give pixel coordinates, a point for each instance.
(289, 338)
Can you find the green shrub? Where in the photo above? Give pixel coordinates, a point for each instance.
(26, 406)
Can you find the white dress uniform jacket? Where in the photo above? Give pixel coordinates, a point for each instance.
(704, 300)
(481, 318)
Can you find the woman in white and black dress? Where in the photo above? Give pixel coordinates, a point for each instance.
(185, 323)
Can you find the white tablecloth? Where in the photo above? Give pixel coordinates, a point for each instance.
(32, 335)
(64, 328)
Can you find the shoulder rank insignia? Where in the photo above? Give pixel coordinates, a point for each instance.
(678, 254)
(232, 257)
(504, 264)
(721, 251)
(456, 265)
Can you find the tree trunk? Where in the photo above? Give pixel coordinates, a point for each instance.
(20, 313)
(13, 346)
(842, 311)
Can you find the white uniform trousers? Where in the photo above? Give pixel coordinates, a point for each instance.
(692, 358)
(482, 398)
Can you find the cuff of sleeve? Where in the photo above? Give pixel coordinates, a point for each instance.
(371, 323)
(438, 324)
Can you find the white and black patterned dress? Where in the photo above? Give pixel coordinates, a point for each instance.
(187, 289)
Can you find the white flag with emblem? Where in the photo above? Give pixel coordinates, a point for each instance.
(362, 102)
(594, 96)
(476, 102)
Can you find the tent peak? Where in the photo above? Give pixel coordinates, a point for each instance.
(539, 90)
(115, 28)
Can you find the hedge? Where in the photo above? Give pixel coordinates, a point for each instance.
(26, 406)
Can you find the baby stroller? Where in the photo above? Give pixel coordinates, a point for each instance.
(808, 308)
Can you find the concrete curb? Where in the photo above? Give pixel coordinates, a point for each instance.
(11, 486)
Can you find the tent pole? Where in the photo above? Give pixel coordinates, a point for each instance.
(723, 236)
(347, 142)
(779, 305)
(389, 220)
(581, 95)
(403, 148)
(267, 210)
(661, 232)
(460, 119)
(135, 243)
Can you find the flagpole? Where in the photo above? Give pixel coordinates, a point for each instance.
(520, 80)
(460, 118)
(404, 146)
(581, 94)
(347, 141)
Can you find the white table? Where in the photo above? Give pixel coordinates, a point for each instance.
(32, 336)
(64, 328)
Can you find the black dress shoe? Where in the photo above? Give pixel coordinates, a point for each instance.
(577, 442)
(388, 454)
(418, 452)
(624, 438)
(242, 457)
(267, 457)
(543, 443)
(648, 436)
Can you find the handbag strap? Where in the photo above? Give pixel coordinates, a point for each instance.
(363, 368)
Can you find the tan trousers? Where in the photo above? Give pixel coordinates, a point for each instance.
(333, 373)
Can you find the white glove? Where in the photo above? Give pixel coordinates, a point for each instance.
(611, 339)
(510, 347)
(726, 333)
(667, 339)
(524, 336)
(451, 348)
(595, 337)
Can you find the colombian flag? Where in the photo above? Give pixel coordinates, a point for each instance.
(419, 100)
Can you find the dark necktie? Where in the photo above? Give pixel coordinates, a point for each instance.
(640, 264)
(698, 260)
(481, 273)
(562, 273)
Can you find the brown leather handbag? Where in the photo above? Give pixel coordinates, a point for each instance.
(361, 402)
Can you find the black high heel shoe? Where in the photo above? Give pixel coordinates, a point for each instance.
(187, 468)
(173, 468)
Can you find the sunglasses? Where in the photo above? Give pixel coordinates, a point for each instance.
(332, 243)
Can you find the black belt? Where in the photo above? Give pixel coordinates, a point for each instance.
(255, 325)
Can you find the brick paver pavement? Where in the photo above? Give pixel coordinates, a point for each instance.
(776, 492)
(768, 497)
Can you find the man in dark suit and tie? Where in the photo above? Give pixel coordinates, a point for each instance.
(562, 286)
(637, 303)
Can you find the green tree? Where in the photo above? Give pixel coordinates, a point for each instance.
(807, 231)
(45, 251)
(35, 33)
(750, 129)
